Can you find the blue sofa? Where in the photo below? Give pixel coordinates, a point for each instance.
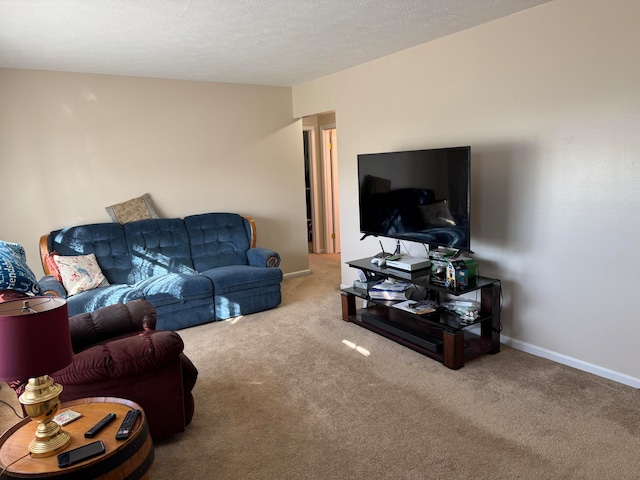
(194, 270)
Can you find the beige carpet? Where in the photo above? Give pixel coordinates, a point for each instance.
(296, 393)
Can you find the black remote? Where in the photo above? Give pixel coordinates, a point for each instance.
(99, 426)
(127, 424)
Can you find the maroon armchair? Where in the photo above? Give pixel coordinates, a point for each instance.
(118, 353)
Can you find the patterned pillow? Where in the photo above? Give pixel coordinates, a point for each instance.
(52, 266)
(15, 274)
(139, 208)
(80, 273)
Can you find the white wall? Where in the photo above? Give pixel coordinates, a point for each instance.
(72, 144)
(549, 100)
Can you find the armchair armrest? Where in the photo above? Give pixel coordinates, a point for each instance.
(122, 358)
(6, 295)
(263, 257)
(111, 321)
(51, 286)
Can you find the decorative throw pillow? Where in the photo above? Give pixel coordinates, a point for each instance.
(52, 266)
(15, 274)
(80, 273)
(139, 208)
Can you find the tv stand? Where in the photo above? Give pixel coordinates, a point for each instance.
(439, 335)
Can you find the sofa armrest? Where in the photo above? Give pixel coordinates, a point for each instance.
(111, 321)
(263, 257)
(51, 286)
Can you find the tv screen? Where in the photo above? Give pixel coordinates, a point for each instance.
(421, 195)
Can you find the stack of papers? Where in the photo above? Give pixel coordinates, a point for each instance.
(389, 290)
(418, 307)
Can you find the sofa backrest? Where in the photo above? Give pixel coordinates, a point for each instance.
(138, 250)
(105, 240)
(158, 246)
(218, 239)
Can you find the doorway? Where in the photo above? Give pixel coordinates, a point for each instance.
(320, 142)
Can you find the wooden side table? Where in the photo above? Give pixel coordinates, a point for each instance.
(123, 459)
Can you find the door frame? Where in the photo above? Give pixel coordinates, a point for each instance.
(330, 190)
(316, 187)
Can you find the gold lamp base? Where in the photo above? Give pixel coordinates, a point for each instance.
(41, 400)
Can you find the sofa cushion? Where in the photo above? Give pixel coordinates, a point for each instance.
(245, 302)
(218, 239)
(174, 288)
(175, 316)
(101, 297)
(157, 247)
(235, 278)
(105, 240)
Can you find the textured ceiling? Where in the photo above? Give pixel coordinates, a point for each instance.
(266, 42)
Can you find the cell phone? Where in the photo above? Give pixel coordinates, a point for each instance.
(71, 457)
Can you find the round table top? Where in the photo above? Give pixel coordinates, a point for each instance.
(14, 454)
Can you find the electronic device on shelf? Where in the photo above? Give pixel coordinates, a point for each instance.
(409, 263)
(421, 196)
(379, 261)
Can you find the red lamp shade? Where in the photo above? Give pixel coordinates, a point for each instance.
(34, 337)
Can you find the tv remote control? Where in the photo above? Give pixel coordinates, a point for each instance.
(99, 426)
(127, 424)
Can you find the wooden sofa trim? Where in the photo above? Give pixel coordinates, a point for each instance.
(44, 250)
(252, 225)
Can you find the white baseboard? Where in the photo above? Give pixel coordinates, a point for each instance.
(299, 273)
(571, 362)
(564, 360)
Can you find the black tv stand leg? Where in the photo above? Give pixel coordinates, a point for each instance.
(490, 305)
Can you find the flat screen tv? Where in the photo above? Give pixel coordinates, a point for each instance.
(421, 196)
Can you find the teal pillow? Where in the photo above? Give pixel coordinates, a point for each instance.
(15, 274)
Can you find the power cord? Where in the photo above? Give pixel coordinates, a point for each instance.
(11, 407)
(12, 463)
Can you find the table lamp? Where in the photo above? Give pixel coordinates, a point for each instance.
(34, 340)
